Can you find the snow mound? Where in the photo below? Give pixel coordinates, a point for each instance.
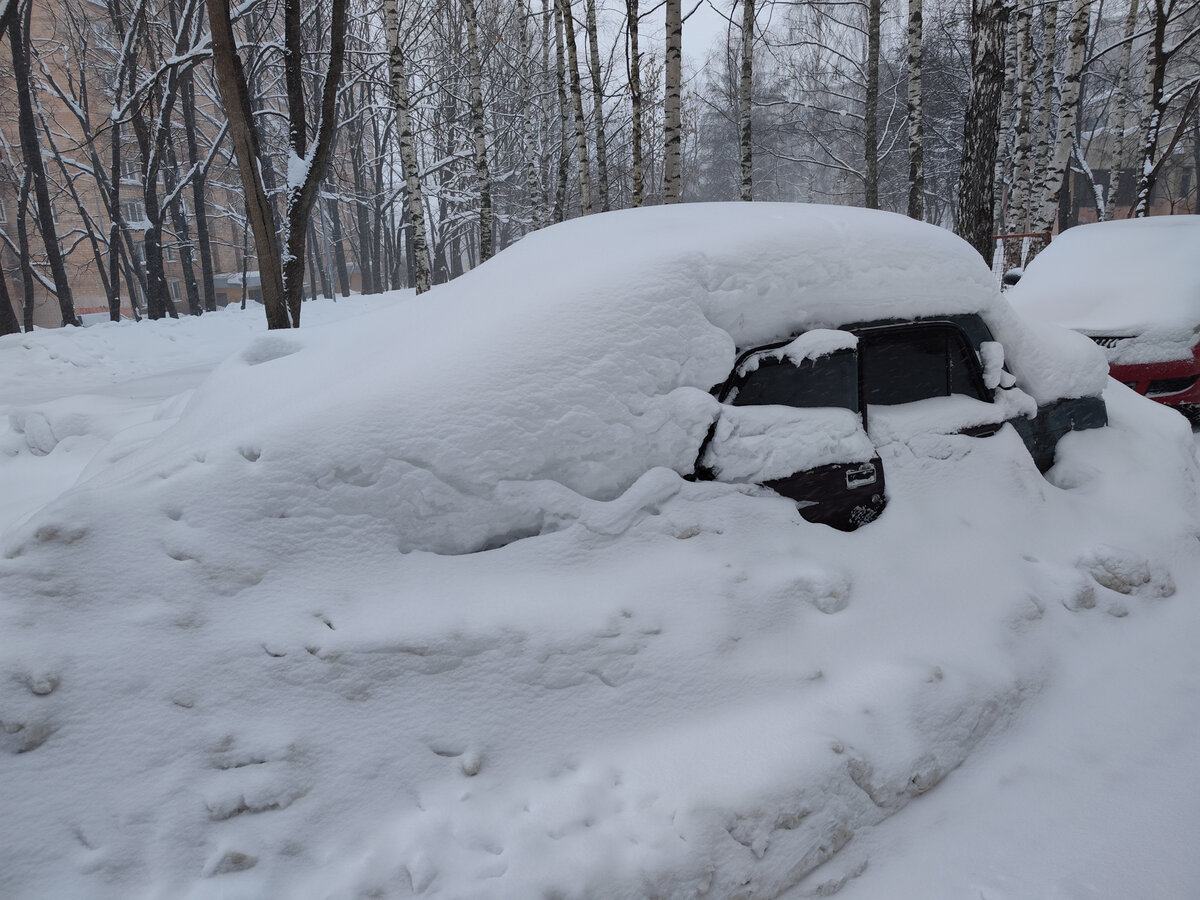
(1130, 278)
(248, 655)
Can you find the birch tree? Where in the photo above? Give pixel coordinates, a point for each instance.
(635, 100)
(871, 108)
(672, 108)
(414, 209)
(1016, 220)
(745, 98)
(593, 39)
(1045, 206)
(916, 137)
(576, 90)
(479, 138)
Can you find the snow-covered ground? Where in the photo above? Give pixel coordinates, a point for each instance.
(245, 652)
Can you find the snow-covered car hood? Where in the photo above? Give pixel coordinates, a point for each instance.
(1137, 280)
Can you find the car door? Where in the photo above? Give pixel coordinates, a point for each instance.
(791, 421)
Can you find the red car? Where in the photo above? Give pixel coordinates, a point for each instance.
(1133, 287)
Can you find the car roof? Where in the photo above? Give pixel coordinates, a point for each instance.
(759, 271)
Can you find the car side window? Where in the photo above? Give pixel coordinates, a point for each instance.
(910, 363)
(828, 381)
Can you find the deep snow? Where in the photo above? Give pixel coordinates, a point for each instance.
(1133, 278)
(233, 665)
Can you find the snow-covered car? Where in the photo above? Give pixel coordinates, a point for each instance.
(1133, 287)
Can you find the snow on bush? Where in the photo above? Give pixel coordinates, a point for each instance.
(247, 656)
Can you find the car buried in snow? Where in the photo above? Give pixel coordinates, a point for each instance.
(817, 334)
(1133, 287)
(943, 373)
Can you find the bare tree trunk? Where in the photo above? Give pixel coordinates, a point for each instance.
(745, 100)
(260, 212)
(23, 254)
(672, 107)
(598, 106)
(9, 323)
(316, 266)
(18, 38)
(871, 108)
(114, 232)
(581, 150)
(1018, 194)
(635, 97)
(483, 177)
(537, 209)
(560, 192)
(916, 136)
(179, 222)
(1155, 106)
(415, 202)
(1045, 117)
(339, 252)
(975, 209)
(199, 194)
(1058, 167)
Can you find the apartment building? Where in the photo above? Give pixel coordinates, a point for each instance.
(76, 58)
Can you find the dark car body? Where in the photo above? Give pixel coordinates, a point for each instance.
(893, 362)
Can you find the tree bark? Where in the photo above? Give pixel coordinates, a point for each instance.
(672, 107)
(1016, 221)
(24, 263)
(916, 136)
(18, 38)
(235, 94)
(581, 149)
(560, 189)
(414, 207)
(1044, 139)
(871, 108)
(9, 323)
(1058, 167)
(199, 194)
(976, 202)
(483, 178)
(598, 106)
(635, 98)
(537, 211)
(1155, 106)
(339, 251)
(745, 100)
(281, 263)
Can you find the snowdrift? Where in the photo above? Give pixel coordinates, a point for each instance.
(249, 653)
(1131, 278)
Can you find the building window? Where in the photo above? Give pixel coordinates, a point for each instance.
(133, 212)
(3, 212)
(169, 252)
(129, 170)
(176, 292)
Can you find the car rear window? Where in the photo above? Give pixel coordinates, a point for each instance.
(902, 365)
(830, 380)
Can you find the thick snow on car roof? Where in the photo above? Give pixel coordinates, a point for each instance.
(1121, 278)
(759, 271)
